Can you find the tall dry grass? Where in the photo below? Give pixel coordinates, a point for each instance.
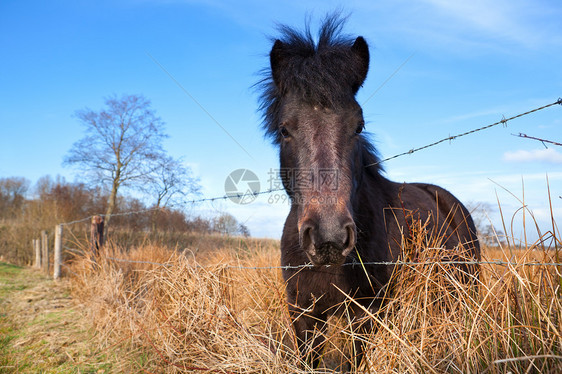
(214, 312)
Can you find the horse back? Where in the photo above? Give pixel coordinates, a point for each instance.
(441, 216)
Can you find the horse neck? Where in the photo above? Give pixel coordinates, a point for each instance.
(372, 194)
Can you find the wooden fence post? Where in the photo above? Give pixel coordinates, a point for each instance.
(58, 252)
(45, 251)
(37, 249)
(96, 235)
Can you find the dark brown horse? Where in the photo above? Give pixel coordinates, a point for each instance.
(344, 211)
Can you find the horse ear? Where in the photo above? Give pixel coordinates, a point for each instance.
(277, 59)
(360, 50)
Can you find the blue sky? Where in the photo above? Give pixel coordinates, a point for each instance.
(453, 66)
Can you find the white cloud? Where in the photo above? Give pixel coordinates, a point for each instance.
(503, 19)
(549, 155)
(480, 14)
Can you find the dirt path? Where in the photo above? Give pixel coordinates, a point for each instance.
(42, 329)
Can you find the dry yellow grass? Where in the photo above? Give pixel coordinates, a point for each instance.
(213, 312)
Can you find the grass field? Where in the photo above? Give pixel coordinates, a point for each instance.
(213, 312)
(42, 330)
(218, 306)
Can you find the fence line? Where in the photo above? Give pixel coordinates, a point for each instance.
(138, 261)
(69, 269)
(375, 263)
(42, 258)
(525, 136)
(73, 250)
(271, 190)
(112, 215)
(503, 121)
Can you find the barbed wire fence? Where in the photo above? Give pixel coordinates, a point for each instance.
(40, 246)
(543, 141)
(503, 122)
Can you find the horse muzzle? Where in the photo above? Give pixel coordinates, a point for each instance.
(328, 241)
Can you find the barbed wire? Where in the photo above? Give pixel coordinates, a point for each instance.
(73, 250)
(525, 136)
(271, 190)
(112, 215)
(503, 121)
(69, 269)
(237, 195)
(138, 261)
(375, 263)
(195, 201)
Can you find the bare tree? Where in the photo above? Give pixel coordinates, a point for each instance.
(12, 196)
(480, 212)
(121, 147)
(170, 183)
(244, 230)
(226, 224)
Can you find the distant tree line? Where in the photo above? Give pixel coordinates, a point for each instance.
(26, 209)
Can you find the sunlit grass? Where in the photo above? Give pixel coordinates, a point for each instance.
(213, 311)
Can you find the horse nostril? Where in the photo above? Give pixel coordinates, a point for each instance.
(350, 239)
(306, 234)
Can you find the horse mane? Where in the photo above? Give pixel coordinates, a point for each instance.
(319, 73)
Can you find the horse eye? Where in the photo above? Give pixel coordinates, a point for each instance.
(360, 127)
(284, 132)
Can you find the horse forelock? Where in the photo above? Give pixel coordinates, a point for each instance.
(317, 72)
